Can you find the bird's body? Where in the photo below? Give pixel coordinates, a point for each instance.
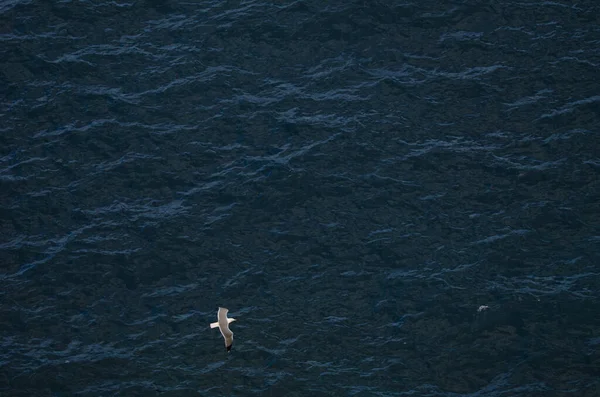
(223, 324)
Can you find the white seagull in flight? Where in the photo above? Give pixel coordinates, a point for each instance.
(223, 325)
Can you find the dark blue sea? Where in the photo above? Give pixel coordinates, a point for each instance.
(392, 198)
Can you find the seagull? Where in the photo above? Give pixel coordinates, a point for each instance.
(223, 325)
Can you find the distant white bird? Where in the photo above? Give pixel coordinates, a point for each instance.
(223, 325)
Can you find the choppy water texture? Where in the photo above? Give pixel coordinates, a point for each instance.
(352, 179)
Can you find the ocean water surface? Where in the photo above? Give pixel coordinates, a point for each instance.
(392, 198)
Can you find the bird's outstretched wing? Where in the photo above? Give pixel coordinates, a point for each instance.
(229, 342)
(224, 327)
(222, 315)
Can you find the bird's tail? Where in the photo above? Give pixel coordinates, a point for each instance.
(214, 325)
